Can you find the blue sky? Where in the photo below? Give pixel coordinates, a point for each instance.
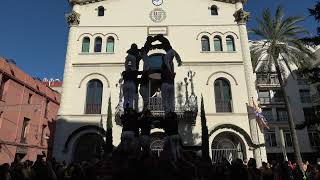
(34, 32)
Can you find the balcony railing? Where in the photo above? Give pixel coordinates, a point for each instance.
(93, 109)
(268, 100)
(267, 79)
(283, 117)
(306, 99)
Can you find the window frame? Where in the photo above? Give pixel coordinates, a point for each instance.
(24, 130)
(216, 48)
(108, 42)
(83, 48)
(224, 101)
(205, 39)
(101, 10)
(95, 107)
(98, 47)
(233, 43)
(214, 10)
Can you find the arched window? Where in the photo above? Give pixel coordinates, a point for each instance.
(217, 43)
(205, 43)
(223, 98)
(101, 11)
(110, 44)
(214, 10)
(230, 43)
(97, 44)
(94, 97)
(85, 44)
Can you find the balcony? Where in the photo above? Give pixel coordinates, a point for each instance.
(269, 100)
(267, 80)
(185, 108)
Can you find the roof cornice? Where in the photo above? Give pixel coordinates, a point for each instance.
(72, 2)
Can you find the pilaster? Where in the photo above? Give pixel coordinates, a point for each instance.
(73, 19)
(241, 17)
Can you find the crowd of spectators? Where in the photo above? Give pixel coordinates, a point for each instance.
(189, 167)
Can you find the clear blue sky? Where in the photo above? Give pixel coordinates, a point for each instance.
(34, 32)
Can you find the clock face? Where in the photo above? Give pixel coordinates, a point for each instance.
(157, 2)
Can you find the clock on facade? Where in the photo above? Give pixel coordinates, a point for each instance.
(157, 2)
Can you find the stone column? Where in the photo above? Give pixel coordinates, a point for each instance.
(73, 19)
(241, 17)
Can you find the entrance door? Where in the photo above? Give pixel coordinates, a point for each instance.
(87, 147)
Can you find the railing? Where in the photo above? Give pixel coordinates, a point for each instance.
(224, 106)
(267, 79)
(306, 99)
(283, 117)
(231, 154)
(278, 99)
(264, 100)
(93, 109)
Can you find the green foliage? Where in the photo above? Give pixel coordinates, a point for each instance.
(280, 36)
(205, 135)
(109, 118)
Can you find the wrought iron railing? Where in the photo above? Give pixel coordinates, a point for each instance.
(93, 109)
(267, 79)
(231, 154)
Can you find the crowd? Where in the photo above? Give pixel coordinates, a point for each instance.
(120, 166)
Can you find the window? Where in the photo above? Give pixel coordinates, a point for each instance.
(314, 138)
(1, 118)
(282, 114)
(30, 98)
(86, 44)
(305, 96)
(267, 113)
(46, 109)
(110, 45)
(24, 131)
(94, 97)
(309, 114)
(42, 134)
(101, 11)
(3, 82)
(271, 140)
(287, 138)
(214, 10)
(97, 44)
(217, 43)
(223, 97)
(264, 97)
(230, 44)
(278, 96)
(205, 43)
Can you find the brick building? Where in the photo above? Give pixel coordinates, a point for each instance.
(28, 110)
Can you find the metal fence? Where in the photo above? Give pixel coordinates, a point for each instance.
(230, 154)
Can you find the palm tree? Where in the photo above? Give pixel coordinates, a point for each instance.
(281, 49)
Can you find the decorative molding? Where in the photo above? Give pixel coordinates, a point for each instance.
(90, 35)
(222, 72)
(241, 16)
(158, 15)
(104, 77)
(73, 18)
(239, 130)
(81, 2)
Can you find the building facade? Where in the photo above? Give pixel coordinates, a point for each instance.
(28, 111)
(303, 98)
(211, 38)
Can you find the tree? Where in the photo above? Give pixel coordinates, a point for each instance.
(109, 138)
(315, 12)
(205, 133)
(279, 50)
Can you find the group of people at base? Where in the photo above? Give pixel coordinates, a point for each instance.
(121, 166)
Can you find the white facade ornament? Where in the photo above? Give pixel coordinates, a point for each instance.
(73, 18)
(158, 15)
(241, 16)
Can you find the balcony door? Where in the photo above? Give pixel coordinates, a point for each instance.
(94, 97)
(223, 96)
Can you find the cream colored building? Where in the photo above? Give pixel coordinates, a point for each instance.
(100, 34)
